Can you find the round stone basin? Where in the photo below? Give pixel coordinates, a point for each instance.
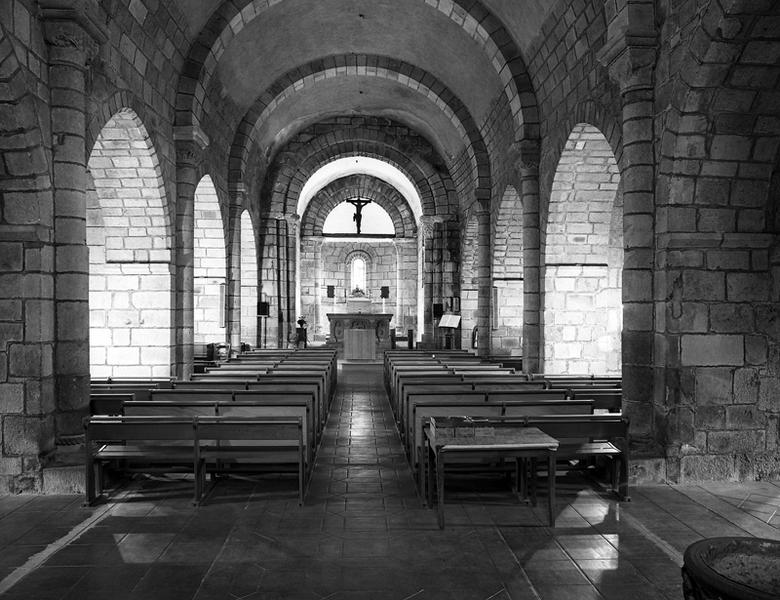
(730, 568)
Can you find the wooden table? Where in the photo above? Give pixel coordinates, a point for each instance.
(516, 442)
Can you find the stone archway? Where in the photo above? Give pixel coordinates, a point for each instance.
(249, 281)
(129, 241)
(507, 313)
(583, 259)
(210, 266)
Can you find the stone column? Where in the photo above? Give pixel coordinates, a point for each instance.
(630, 56)
(528, 172)
(428, 265)
(190, 144)
(73, 32)
(484, 279)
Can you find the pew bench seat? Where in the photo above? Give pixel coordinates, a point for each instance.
(196, 445)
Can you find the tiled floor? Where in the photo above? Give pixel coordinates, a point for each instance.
(364, 533)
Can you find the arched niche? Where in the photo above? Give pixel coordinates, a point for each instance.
(583, 259)
(209, 266)
(248, 281)
(129, 240)
(507, 270)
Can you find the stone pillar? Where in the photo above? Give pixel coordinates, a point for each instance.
(630, 56)
(233, 258)
(73, 31)
(428, 266)
(190, 144)
(484, 279)
(528, 172)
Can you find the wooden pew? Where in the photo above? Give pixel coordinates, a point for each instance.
(407, 409)
(108, 403)
(278, 441)
(258, 406)
(195, 444)
(492, 410)
(604, 399)
(590, 436)
(164, 441)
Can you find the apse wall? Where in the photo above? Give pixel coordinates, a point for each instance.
(388, 263)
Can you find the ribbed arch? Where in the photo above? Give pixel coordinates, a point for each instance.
(310, 75)
(305, 155)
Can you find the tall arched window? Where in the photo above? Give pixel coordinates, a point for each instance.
(358, 273)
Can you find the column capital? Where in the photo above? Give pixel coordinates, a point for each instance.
(191, 133)
(481, 206)
(76, 24)
(528, 157)
(629, 53)
(191, 143)
(427, 224)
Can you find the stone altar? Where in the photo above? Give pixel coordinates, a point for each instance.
(359, 335)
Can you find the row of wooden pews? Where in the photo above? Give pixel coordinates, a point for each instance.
(262, 396)
(582, 412)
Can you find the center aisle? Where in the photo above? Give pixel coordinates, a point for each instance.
(362, 534)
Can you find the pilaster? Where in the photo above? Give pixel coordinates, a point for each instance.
(630, 56)
(527, 169)
(73, 31)
(190, 146)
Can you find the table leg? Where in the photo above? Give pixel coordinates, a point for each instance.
(551, 486)
(440, 487)
(532, 477)
(428, 476)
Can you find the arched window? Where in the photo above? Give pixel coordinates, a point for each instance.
(358, 273)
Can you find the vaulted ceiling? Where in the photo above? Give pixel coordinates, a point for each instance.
(450, 70)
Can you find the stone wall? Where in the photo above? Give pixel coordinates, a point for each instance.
(391, 263)
(248, 281)
(507, 272)
(128, 233)
(210, 266)
(583, 260)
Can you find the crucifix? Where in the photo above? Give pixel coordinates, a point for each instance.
(358, 217)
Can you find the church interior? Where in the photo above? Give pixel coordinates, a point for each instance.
(343, 201)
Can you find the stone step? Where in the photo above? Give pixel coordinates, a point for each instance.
(63, 479)
(64, 473)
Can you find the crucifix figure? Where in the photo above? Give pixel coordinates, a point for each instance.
(358, 217)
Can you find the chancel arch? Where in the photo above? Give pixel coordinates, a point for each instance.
(583, 259)
(128, 234)
(333, 265)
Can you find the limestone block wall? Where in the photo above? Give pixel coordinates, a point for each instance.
(209, 265)
(248, 281)
(582, 320)
(507, 319)
(130, 320)
(388, 263)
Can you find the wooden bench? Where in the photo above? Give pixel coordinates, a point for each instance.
(407, 408)
(271, 442)
(196, 444)
(108, 403)
(605, 399)
(495, 410)
(165, 441)
(591, 436)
